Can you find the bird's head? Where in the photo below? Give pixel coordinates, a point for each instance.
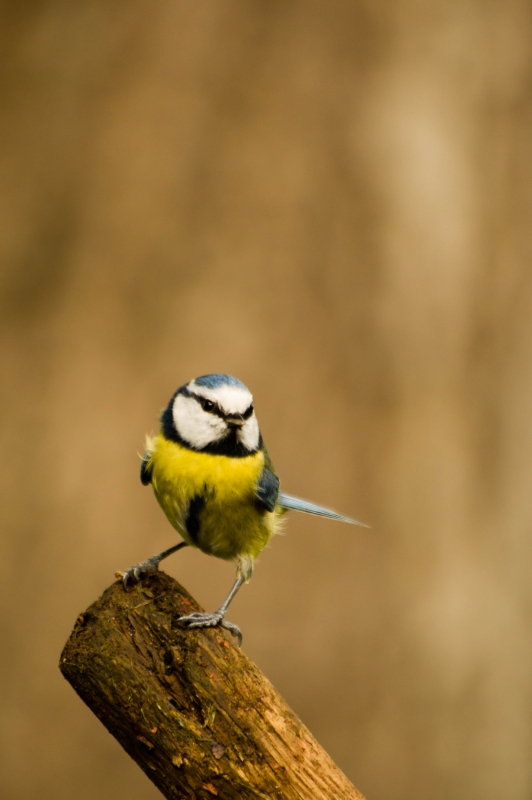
(213, 414)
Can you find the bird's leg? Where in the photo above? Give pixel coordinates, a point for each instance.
(150, 565)
(201, 620)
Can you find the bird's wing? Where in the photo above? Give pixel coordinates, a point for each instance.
(295, 504)
(267, 489)
(145, 469)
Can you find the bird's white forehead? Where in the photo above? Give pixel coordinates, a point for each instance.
(232, 399)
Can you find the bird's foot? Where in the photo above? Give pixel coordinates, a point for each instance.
(137, 571)
(199, 620)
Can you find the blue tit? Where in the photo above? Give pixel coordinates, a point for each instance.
(214, 480)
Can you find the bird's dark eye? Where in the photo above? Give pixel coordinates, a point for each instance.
(248, 412)
(208, 405)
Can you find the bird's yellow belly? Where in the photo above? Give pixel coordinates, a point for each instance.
(230, 522)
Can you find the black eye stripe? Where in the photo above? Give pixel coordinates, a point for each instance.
(248, 412)
(212, 408)
(207, 405)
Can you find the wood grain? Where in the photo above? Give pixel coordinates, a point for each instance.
(189, 707)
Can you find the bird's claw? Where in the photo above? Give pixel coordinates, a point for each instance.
(137, 571)
(199, 620)
(234, 630)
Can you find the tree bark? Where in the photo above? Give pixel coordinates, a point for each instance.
(189, 707)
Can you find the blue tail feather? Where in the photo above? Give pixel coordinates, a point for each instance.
(295, 504)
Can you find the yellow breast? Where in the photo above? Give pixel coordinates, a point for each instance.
(232, 523)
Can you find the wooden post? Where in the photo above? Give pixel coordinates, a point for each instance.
(188, 706)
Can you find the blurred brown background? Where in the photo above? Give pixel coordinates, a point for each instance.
(330, 200)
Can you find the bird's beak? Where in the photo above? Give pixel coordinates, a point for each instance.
(234, 422)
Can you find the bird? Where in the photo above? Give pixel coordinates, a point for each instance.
(213, 478)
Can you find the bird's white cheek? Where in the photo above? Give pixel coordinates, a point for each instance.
(194, 425)
(249, 434)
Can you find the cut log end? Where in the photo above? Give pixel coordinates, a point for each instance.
(189, 707)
